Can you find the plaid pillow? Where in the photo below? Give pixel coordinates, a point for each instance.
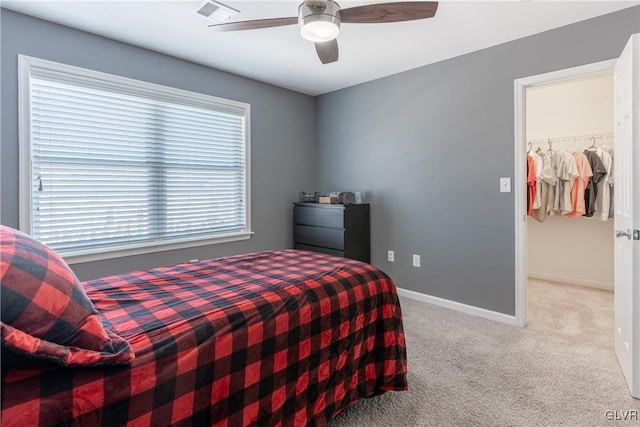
(46, 313)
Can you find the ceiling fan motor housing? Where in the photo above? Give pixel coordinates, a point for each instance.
(319, 24)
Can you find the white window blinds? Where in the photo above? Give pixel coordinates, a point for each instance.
(115, 165)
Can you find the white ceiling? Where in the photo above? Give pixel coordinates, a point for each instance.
(281, 57)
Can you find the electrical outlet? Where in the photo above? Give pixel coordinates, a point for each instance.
(391, 256)
(416, 260)
(193, 260)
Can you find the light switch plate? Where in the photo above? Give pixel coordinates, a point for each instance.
(505, 185)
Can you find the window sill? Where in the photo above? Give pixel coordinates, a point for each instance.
(151, 247)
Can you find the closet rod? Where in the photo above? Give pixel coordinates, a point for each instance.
(572, 138)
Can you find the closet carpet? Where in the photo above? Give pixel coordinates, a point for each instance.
(466, 371)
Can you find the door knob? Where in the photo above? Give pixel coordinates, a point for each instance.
(620, 233)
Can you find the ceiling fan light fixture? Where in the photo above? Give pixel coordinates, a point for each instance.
(320, 31)
(320, 20)
(319, 24)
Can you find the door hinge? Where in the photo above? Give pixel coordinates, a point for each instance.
(636, 234)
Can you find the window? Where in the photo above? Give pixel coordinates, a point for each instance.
(112, 164)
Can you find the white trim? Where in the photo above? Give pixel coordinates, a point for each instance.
(520, 86)
(571, 280)
(247, 168)
(25, 65)
(24, 145)
(519, 171)
(568, 74)
(151, 247)
(126, 81)
(458, 306)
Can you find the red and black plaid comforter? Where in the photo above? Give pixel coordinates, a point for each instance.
(272, 338)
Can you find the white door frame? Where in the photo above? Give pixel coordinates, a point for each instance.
(520, 168)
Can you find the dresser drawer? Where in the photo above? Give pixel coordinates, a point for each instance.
(322, 217)
(319, 249)
(317, 236)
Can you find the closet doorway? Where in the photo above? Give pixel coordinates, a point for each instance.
(561, 110)
(570, 257)
(626, 165)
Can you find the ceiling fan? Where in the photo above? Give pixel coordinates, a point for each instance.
(320, 20)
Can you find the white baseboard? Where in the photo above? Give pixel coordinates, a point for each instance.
(571, 280)
(458, 306)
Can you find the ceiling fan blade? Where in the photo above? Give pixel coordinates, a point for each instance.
(254, 25)
(327, 51)
(316, 3)
(389, 12)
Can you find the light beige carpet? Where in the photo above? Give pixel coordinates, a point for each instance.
(466, 371)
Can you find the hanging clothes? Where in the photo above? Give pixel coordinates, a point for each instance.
(566, 171)
(578, 205)
(559, 172)
(539, 166)
(531, 184)
(528, 192)
(599, 172)
(603, 199)
(591, 193)
(547, 183)
(571, 182)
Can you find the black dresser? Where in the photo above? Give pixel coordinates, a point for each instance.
(341, 230)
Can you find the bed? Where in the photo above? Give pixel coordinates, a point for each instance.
(271, 338)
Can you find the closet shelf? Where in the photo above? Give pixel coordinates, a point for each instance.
(608, 136)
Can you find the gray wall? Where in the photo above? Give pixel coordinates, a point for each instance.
(428, 146)
(282, 130)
